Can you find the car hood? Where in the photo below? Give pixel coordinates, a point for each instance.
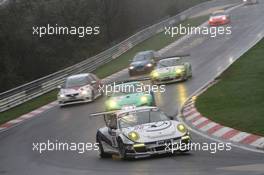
(169, 69)
(127, 97)
(156, 131)
(220, 17)
(74, 90)
(139, 63)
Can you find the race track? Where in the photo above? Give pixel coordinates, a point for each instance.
(73, 124)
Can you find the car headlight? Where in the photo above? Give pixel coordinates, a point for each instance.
(134, 136)
(186, 137)
(85, 92)
(179, 71)
(149, 65)
(131, 67)
(61, 95)
(111, 104)
(155, 74)
(181, 128)
(144, 99)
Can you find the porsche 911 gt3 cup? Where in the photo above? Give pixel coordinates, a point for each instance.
(126, 94)
(140, 132)
(78, 89)
(171, 70)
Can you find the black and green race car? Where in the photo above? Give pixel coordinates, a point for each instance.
(171, 70)
(129, 94)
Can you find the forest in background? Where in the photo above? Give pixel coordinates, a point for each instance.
(25, 57)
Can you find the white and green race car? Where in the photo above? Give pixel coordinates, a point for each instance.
(137, 132)
(171, 70)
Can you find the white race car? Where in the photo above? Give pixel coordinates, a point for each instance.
(141, 132)
(79, 88)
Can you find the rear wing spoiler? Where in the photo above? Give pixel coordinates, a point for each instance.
(102, 114)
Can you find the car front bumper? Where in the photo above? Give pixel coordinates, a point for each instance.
(219, 22)
(159, 147)
(168, 79)
(67, 100)
(141, 70)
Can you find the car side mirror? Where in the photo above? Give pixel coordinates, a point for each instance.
(59, 87)
(93, 82)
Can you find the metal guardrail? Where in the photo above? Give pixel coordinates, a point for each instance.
(26, 92)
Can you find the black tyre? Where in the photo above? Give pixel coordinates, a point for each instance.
(93, 96)
(185, 78)
(153, 103)
(122, 150)
(102, 154)
(190, 76)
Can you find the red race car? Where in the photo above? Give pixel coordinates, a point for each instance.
(219, 18)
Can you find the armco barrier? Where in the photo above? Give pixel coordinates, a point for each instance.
(26, 92)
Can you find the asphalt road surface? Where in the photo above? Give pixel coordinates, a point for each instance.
(73, 124)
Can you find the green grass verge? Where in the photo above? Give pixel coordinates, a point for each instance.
(237, 99)
(28, 106)
(155, 43)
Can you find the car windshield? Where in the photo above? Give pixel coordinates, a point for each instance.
(141, 117)
(76, 81)
(143, 56)
(169, 63)
(129, 88)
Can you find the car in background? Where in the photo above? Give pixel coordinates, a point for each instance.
(79, 88)
(219, 18)
(141, 132)
(250, 2)
(143, 63)
(127, 94)
(171, 70)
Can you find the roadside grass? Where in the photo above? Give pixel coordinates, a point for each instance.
(154, 43)
(237, 99)
(28, 106)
